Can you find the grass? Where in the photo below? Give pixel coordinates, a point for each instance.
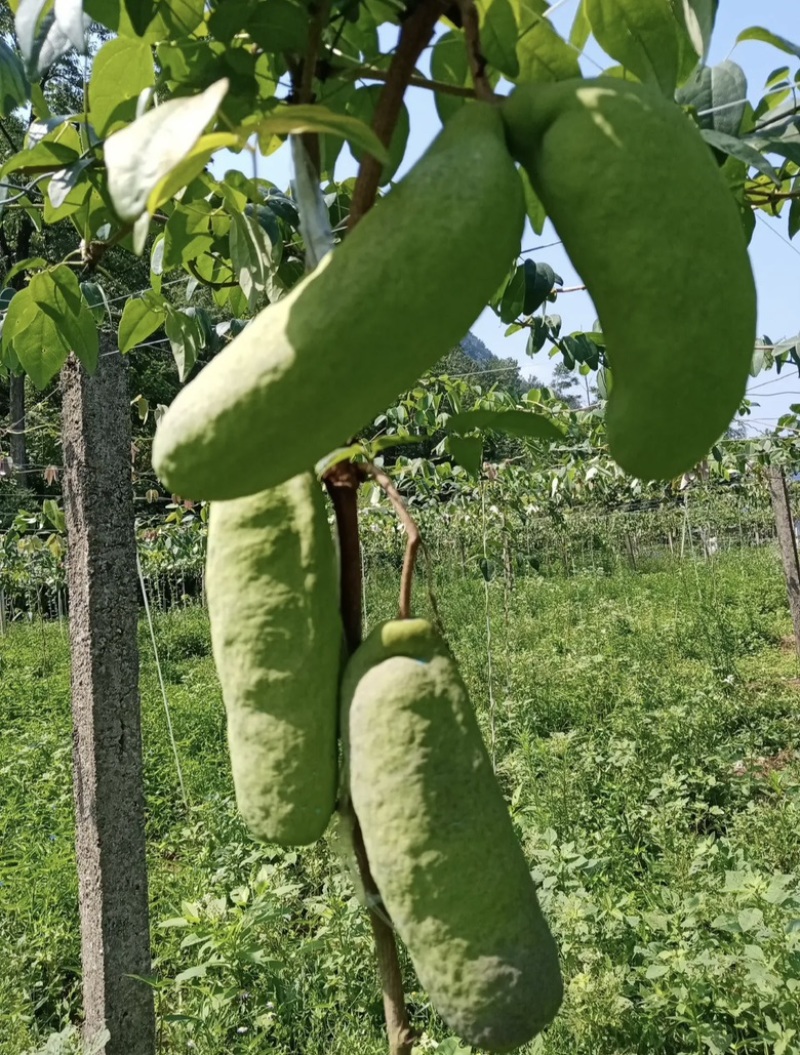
(645, 729)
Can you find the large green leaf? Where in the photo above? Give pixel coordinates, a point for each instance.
(542, 54)
(251, 256)
(499, 31)
(187, 337)
(141, 13)
(14, 86)
(46, 321)
(121, 70)
(449, 65)
(40, 37)
(139, 157)
(58, 294)
(718, 95)
(739, 149)
(141, 317)
(287, 120)
(467, 451)
(642, 35)
(524, 423)
(767, 37)
(44, 157)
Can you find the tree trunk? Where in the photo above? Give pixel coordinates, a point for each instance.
(787, 540)
(109, 797)
(18, 440)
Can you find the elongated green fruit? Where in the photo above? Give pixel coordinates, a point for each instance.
(440, 842)
(648, 222)
(313, 369)
(272, 588)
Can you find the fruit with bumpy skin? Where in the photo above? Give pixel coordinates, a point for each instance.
(272, 587)
(440, 842)
(652, 229)
(313, 369)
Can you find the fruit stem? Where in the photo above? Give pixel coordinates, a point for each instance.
(413, 537)
(342, 482)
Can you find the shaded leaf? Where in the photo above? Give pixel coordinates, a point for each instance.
(523, 423)
(739, 149)
(721, 89)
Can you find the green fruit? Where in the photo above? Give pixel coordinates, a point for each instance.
(313, 369)
(647, 220)
(440, 842)
(273, 601)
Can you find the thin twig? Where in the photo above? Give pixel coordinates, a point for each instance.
(416, 80)
(475, 57)
(415, 34)
(413, 537)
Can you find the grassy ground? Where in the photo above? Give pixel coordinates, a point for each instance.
(644, 729)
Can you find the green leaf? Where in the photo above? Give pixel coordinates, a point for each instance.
(37, 341)
(31, 263)
(58, 295)
(141, 13)
(187, 338)
(141, 317)
(362, 106)
(46, 156)
(139, 157)
(539, 282)
(513, 299)
(721, 89)
(187, 234)
(533, 206)
(642, 35)
(542, 54)
(498, 29)
(280, 25)
(96, 300)
(449, 65)
(523, 423)
(581, 28)
(739, 149)
(14, 85)
(467, 451)
(794, 212)
(286, 120)
(767, 37)
(41, 39)
(251, 256)
(121, 70)
(696, 17)
(66, 181)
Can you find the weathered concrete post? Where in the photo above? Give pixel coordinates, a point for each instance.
(107, 758)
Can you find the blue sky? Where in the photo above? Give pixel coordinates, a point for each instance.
(776, 263)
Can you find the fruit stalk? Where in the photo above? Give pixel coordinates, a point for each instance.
(342, 483)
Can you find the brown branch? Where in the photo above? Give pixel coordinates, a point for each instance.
(475, 57)
(415, 35)
(412, 534)
(305, 89)
(342, 482)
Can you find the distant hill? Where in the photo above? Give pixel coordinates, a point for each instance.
(475, 348)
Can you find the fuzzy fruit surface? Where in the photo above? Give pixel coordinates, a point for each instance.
(314, 368)
(646, 218)
(440, 842)
(273, 601)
